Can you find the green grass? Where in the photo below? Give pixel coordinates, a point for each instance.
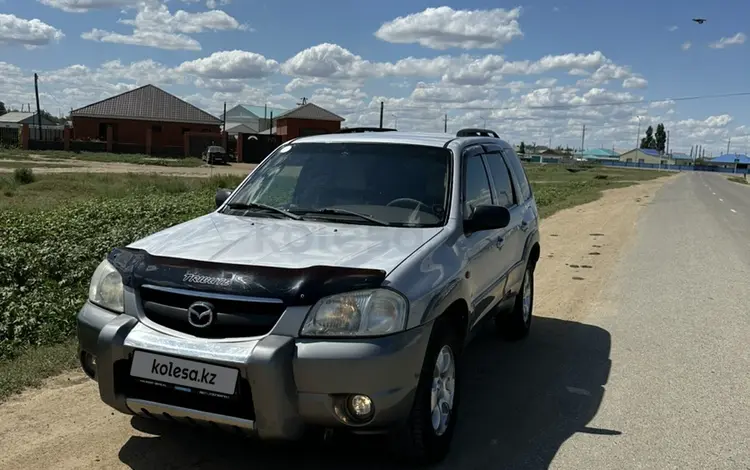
(34, 365)
(555, 188)
(738, 179)
(62, 155)
(56, 229)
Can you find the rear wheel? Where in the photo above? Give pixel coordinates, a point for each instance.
(429, 431)
(517, 323)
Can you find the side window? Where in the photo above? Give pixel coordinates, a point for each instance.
(476, 185)
(501, 177)
(515, 165)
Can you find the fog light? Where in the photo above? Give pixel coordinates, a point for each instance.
(360, 406)
(88, 364)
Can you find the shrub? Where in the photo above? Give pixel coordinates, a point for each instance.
(47, 257)
(24, 175)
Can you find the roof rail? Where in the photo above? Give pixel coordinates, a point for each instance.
(469, 132)
(352, 130)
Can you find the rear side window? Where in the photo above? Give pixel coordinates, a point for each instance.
(515, 165)
(501, 177)
(476, 185)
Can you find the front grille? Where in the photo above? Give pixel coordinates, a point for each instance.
(239, 405)
(235, 316)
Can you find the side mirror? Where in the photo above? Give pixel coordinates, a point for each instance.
(222, 194)
(487, 218)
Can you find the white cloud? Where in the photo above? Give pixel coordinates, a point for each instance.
(82, 6)
(735, 40)
(155, 26)
(444, 27)
(214, 3)
(604, 74)
(672, 29)
(546, 82)
(158, 18)
(159, 40)
(230, 64)
(30, 33)
(336, 62)
(635, 82)
(686, 45)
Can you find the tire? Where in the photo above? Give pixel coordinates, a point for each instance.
(516, 324)
(419, 442)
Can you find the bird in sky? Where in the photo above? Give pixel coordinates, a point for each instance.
(699, 20)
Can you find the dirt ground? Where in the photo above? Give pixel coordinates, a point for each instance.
(48, 166)
(65, 426)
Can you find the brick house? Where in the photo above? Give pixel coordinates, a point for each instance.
(145, 119)
(308, 119)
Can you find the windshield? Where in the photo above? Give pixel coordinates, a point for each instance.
(216, 149)
(395, 184)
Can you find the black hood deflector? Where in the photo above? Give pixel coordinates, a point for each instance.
(303, 286)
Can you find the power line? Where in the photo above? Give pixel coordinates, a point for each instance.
(564, 106)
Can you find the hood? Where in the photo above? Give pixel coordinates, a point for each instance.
(284, 243)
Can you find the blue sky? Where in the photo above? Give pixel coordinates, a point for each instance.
(264, 59)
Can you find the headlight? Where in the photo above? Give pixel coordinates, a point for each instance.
(362, 313)
(106, 287)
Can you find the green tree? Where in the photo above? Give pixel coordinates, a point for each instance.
(660, 138)
(648, 142)
(522, 148)
(2, 108)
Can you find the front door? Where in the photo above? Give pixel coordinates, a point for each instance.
(480, 247)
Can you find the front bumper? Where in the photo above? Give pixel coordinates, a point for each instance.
(290, 382)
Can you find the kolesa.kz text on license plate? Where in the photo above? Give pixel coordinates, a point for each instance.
(183, 372)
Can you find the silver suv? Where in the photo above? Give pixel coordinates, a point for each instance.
(335, 288)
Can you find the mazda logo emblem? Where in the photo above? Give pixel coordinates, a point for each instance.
(201, 314)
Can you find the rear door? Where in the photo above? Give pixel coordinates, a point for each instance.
(507, 192)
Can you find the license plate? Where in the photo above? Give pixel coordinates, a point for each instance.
(177, 371)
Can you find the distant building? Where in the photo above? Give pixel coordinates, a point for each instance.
(599, 154)
(682, 158)
(17, 118)
(141, 114)
(650, 156)
(253, 117)
(308, 119)
(738, 161)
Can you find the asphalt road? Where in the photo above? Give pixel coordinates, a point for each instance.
(678, 316)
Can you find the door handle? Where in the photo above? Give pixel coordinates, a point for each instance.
(524, 225)
(499, 242)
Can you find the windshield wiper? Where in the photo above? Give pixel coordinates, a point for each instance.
(257, 205)
(333, 211)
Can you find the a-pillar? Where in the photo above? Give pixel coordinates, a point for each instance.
(110, 138)
(149, 140)
(25, 137)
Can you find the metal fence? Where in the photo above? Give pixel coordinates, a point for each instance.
(10, 137)
(657, 166)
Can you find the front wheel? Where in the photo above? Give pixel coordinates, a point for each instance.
(517, 323)
(428, 433)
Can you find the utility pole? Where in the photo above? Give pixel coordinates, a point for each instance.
(638, 136)
(224, 124)
(445, 123)
(381, 114)
(583, 138)
(38, 109)
(728, 141)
